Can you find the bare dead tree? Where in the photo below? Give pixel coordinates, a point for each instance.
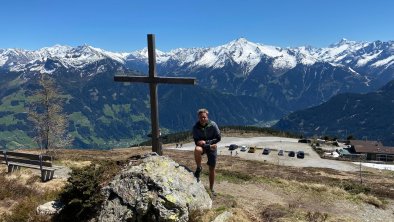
(46, 113)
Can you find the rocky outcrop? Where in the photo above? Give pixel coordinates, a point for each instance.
(50, 208)
(223, 217)
(155, 189)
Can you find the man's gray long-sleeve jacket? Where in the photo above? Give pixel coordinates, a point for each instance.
(210, 133)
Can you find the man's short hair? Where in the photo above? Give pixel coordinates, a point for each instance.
(203, 110)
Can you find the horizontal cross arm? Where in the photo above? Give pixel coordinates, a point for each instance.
(146, 79)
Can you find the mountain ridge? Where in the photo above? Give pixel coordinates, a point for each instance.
(241, 51)
(363, 116)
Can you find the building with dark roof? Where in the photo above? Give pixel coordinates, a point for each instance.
(373, 150)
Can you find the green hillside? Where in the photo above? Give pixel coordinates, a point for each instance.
(104, 114)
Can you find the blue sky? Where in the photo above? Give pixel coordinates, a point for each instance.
(122, 25)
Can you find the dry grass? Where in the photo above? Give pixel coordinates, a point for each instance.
(74, 164)
(250, 190)
(21, 193)
(273, 212)
(371, 200)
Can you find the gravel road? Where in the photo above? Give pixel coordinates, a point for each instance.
(312, 159)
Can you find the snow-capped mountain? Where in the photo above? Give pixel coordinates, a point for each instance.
(240, 67)
(248, 54)
(240, 52)
(19, 60)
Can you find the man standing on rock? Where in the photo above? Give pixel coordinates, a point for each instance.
(206, 135)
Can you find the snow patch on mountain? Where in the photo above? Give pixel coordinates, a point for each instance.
(119, 57)
(306, 55)
(56, 51)
(82, 55)
(210, 59)
(142, 55)
(367, 58)
(41, 69)
(245, 54)
(16, 57)
(284, 61)
(337, 52)
(2, 61)
(240, 51)
(357, 75)
(384, 62)
(187, 56)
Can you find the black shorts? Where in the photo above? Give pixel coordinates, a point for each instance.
(211, 154)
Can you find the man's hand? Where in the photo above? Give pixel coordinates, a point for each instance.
(213, 146)
(201, 143)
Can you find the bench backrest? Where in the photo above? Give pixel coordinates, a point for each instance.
(27, 158)
(2, 159)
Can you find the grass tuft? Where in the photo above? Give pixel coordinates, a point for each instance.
(354, 187)
(233, 176)
(273, 212)
(316, 217)
(371, 200)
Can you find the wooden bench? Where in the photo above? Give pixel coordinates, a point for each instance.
(15, 160)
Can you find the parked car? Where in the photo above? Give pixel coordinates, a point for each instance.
(244, 148)
(280, 153)
(304, 141)
(266, 151)
(252, 149)
(291, 154)
(300, 154)
(233, 147)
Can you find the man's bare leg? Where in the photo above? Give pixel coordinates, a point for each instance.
(212, 179)
(197, 156)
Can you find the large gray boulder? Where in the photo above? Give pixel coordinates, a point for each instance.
(154, 189)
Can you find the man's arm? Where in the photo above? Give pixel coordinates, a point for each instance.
(197, 138)
(217, 136)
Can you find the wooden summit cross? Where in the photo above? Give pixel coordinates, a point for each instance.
(153, 80)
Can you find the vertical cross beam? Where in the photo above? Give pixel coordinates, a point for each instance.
(156, 146)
